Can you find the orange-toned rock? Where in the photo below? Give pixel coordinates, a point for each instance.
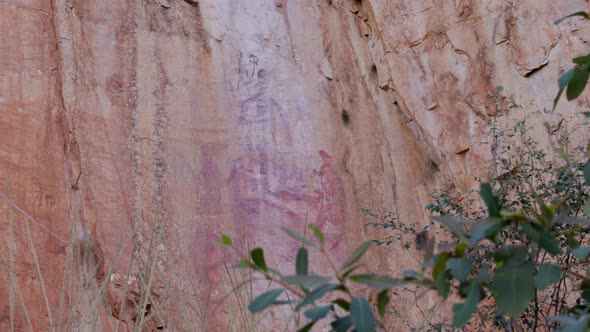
(134, 133)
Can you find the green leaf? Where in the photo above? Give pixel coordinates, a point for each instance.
(440, 264)
(347, 272)
(546, 239)
(585, 288)
(376, 280)
(301, 262)
(356, 255)
(581, 253)
(298, 236)
(550, 243)
(319, 235)
(580, 13)
(572, 221)
(514, 287)
(586, 208)
(315, 295)
(225, 241)
(410, 274)
(382, 302)
(317, 313)
(443, 284)
(548, 274)
(582, 59)
(587, 173)
(244, 264)
(262, 301)
(257, 255)
(460, 248)
(486, 229)
(491, 200)
(307, 327)
(531, 232)
(460, 268)
(342, 303)
(578, 325)
(306, 281)
(563, 81)
(362, 314)
(578, 82)
(512, 255)
(342, 324)
(462, 312)
(483, 275)
(455, 224)
(566, 78)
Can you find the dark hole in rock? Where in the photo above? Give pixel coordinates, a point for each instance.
(345, 117)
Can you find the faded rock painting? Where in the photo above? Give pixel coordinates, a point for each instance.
(273, 183)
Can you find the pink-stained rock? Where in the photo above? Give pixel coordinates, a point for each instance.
(135, 132)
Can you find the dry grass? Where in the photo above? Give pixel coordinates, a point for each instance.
(82, 303)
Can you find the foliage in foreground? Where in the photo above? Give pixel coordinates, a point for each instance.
(506, 257)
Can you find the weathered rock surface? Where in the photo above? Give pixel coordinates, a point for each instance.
(134, 133)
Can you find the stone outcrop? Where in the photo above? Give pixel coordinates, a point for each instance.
(134, 133)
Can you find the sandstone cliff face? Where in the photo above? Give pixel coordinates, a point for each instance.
(134, 133)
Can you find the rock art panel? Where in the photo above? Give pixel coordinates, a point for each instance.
(139, 131)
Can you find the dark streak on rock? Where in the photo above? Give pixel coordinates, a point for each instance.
(536, 70)
(345, 117)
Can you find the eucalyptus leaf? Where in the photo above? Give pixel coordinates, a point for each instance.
(301, 262)
(547, 275)
(317, 313)
(578, 82)
(573, 221)
(382, 301)
(460, 268)
(586, 208)
(362, 314)
(440, 264)
(297, 236)
(512, 255)
(225, 241)
(486, 229)
(319, 235)
(514, 287)
(580, 13)
(563, 81)
(443, 284)
(579, 325)
(356, 255)
(566, 78)
(462, 312)
(455, 224)
(410, 274)
(342, 303)
(342, 324)
(262, 301)
(582, 59)
(491, 200)
(316, 294)
(244, 264)
(581, 253)
(306, 281)
(376, 280)
(587, 173)
(307, 327)
(257, 255)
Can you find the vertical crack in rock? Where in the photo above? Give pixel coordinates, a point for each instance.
(87, 255)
